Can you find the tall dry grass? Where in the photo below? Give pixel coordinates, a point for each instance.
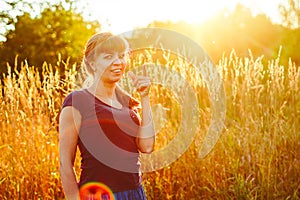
(256, 157)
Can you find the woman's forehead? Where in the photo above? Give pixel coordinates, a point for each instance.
(115, 44)
(109, 51)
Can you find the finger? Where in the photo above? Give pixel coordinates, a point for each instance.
(132, 76)
(143, 85)
(143, 81)
(144, 70)
(139, 82)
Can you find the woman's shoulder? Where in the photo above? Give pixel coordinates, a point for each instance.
(76, 97)
(77, 92)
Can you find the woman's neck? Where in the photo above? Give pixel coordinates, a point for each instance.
(105, 90)
(106, 93)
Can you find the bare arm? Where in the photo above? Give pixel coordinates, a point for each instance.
(69, 123)
(146, 135)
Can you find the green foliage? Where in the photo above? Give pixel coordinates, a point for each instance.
(57, 31)
(60, 30)
(290, 13)
(238, 30)
(8, 12)
(288, 46)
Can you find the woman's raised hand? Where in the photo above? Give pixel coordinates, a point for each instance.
(141, 83)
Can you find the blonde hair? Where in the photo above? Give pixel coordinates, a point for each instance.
(107, 42)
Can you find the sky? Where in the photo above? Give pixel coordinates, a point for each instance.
(120, 16)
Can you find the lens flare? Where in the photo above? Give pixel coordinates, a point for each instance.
(182, 67)
(96, 191)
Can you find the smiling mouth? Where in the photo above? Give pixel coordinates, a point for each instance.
(116, 71)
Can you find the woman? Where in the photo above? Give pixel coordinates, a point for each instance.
(103, 121)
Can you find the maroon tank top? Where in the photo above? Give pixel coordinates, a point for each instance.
(107, 142)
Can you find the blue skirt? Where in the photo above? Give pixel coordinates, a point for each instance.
(137, 194)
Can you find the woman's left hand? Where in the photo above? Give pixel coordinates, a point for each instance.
(141, 83)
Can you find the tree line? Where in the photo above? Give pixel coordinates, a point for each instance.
(60, 32)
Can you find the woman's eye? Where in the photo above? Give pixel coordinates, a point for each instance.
(108, 56)
(122, 55)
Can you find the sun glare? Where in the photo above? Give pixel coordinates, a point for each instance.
(120, 16)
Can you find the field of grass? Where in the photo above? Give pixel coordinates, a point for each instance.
(256, 157)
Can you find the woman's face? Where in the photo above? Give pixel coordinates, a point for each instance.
(110, 66)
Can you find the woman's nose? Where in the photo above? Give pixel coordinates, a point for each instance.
(119, 61)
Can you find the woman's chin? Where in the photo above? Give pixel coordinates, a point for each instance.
(115, 79)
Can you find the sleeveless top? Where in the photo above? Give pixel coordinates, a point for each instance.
(107, 142)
